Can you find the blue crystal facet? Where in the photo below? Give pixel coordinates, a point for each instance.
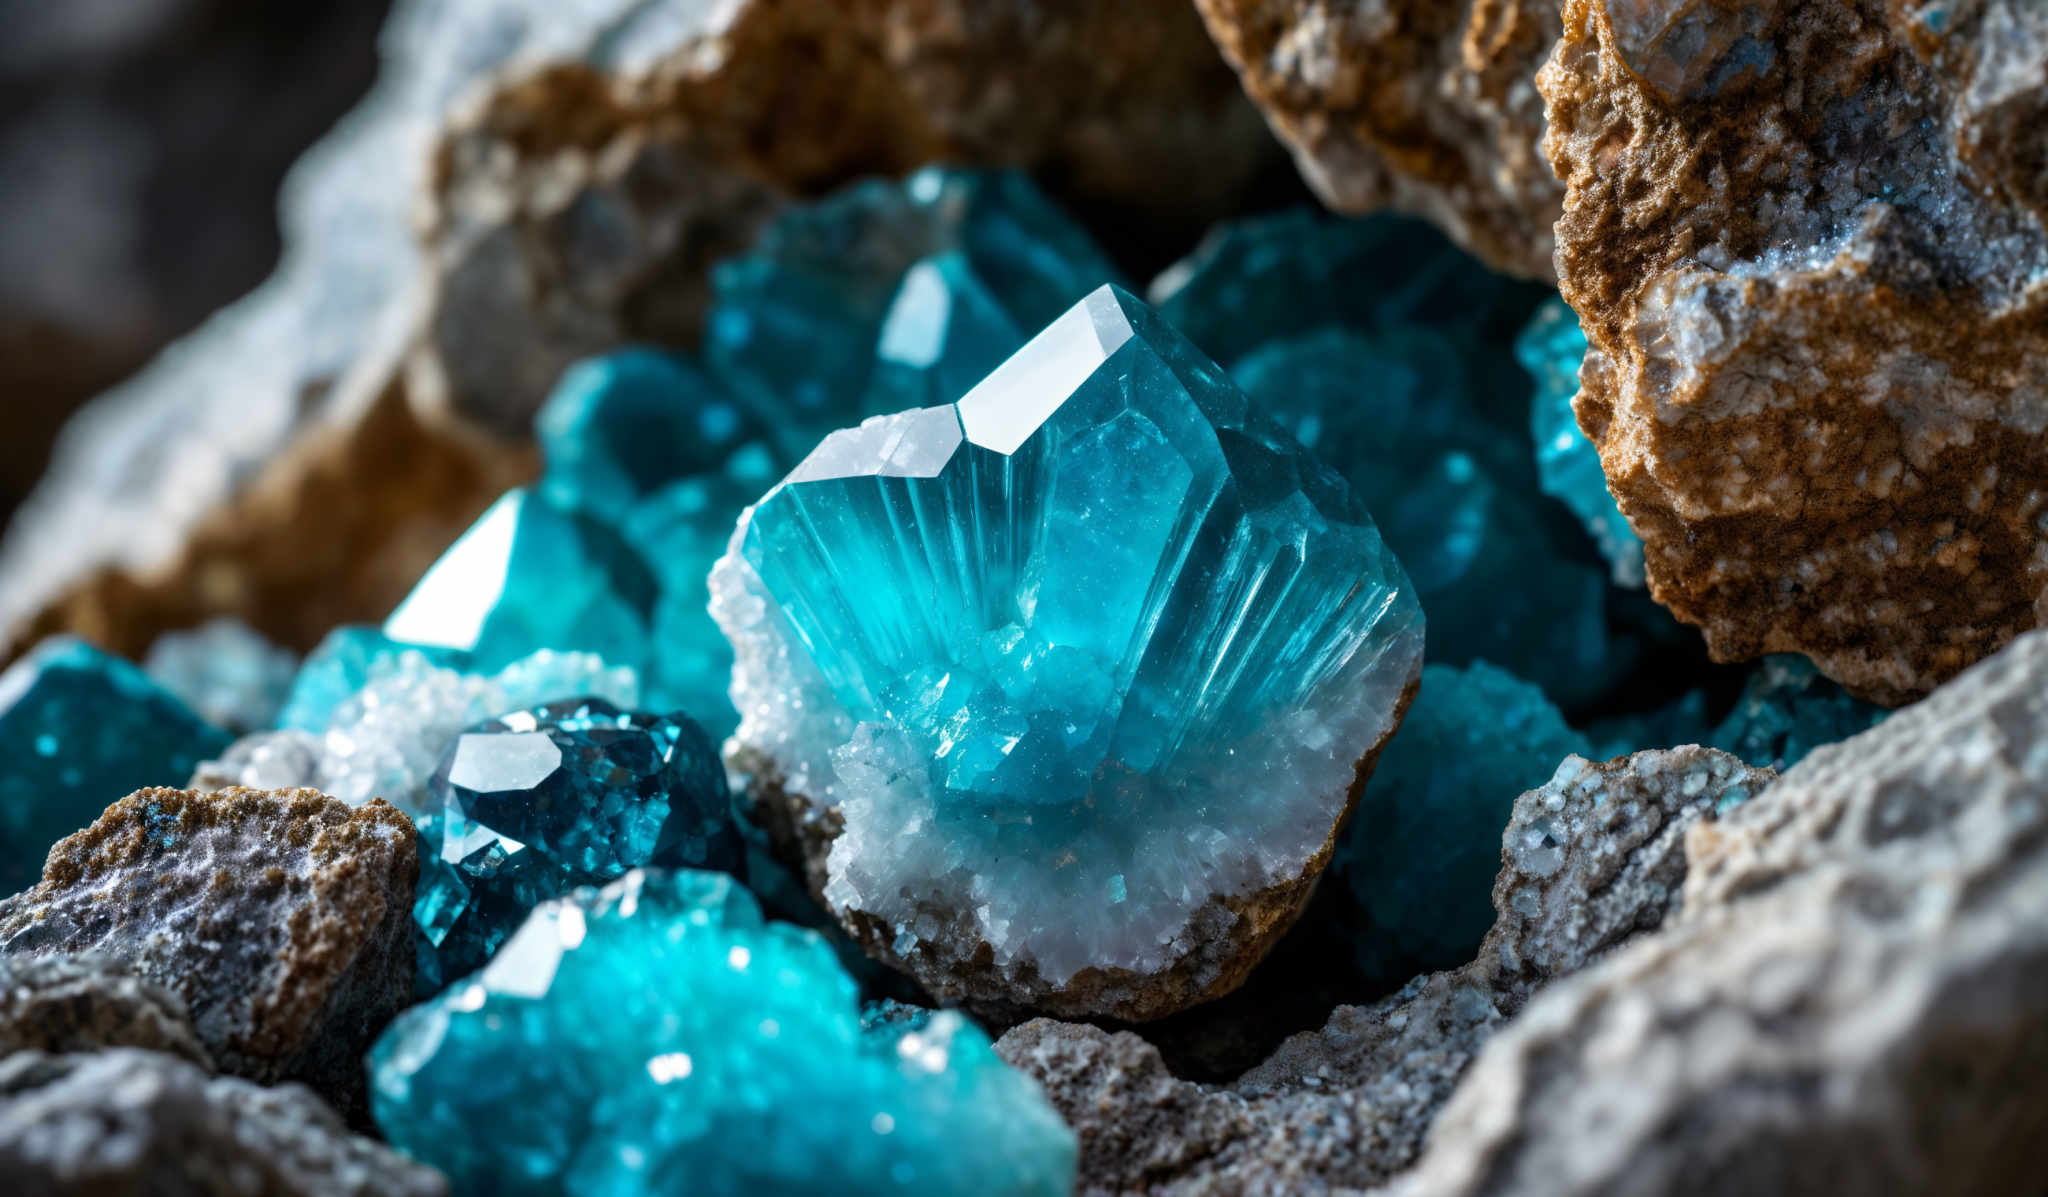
(1422, 850)
(1551, 349)
(342, 665)
(529, 575)
(1073, 656)
(79, 730)
(658, 1037)
(532, 804)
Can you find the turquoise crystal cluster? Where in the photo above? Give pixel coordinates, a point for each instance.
(658, 1036)
(532, 804)
(1551, 350)
(889, 294)
(80, 729)
(1073, 662)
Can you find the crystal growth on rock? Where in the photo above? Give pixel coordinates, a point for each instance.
(79, 729)
(340, 665)
(1077, 660)
(527, 806)
(1421, 851)
(1551, 349)
(1787, 709)
(659, 1036)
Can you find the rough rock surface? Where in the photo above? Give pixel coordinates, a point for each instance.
(600, 156)
(1589, 860)
(1853, 998)
(1428, 106)
(1778, 219)
(84, 1003)
(282, 918)
(142, 1124)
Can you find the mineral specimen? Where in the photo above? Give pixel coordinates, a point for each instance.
(77, 728)
(532, 575)
(384, 740)
(1852, 990)
(228, 673)
(85, 1003)
(535, 803)
(1422, 105)
(280, 918)
(1551, 350)
(1807, 243)
(137, 1122)
(343, 664)
(1424, 844)
(659, 1036)
(1786, 711)
(1591, 859)
(1064, 690)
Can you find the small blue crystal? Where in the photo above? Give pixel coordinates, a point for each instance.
(1551, 349)
(659, 1037)
(1421, 853)
(794, 326)
(531, 574)
(80, 730)
(1071, 616)
(532, 804)
(343, 664)
(620, 427)
(1787, 710)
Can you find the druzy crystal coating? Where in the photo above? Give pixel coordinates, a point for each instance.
(529, 805)
(80, 729)
(658, 1036)
(1021, 642)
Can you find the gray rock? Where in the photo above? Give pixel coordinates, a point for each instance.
(1590, 860)
(130, 1123)
(283, 919)
(1853, 999)
(82, 1003)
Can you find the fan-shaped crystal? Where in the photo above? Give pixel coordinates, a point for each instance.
(1086, 663)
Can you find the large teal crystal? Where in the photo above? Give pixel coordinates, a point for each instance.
(79, 730)
(532, 574)
(1551, 349)
(529, 805)
(1421, 853)
(660, 1037)
(1100, 637)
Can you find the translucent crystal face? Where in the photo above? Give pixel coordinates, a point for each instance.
(1054, 615)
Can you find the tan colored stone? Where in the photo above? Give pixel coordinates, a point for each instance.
(1427, 106)
(1806, 241)
(283, 919)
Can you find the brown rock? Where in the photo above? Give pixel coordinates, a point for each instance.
(310, 451)
(1427, 106)
(1853, 999)
(128, 1123)
(1806, 242)
(84, 1003)
(1589, 861)
(283, 919)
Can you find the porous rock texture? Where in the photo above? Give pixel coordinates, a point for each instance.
(1589, 860)
(1806, 241)
(131, 1123)
(1853, 997)
(283, 919)
(1428, 106)
(83, 1003)
(299, 460)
